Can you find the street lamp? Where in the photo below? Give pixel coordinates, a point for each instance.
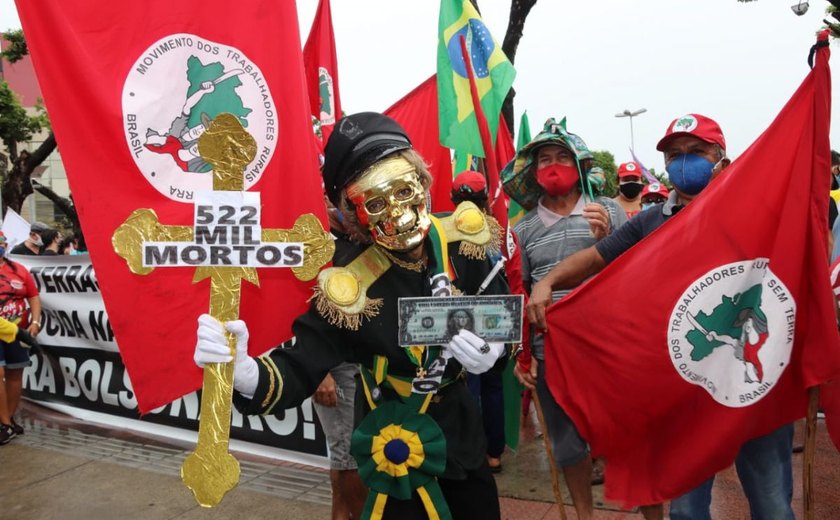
(631, 115)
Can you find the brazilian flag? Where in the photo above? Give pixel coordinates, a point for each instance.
(493, 74)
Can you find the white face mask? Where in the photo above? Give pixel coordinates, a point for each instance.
(37, 241)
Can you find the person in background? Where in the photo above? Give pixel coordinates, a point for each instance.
(33, 243)
(487, 387)
(335, 403)
(653, 194)
(19, 304)
(833, 224)
(630, 188)
(68, 246)
(52, 239)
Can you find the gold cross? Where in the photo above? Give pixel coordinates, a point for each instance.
(211, 471)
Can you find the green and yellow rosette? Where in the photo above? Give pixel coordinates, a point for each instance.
(399, 451)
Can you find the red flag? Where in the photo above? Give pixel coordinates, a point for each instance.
(417, 113)
(505, 152)
(718, 322)
(322, 71)
(128, 86)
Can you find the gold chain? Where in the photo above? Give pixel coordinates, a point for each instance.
(416, 266)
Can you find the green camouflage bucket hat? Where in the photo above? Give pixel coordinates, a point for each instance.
(518, 176)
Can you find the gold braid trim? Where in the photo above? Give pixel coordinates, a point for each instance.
(472, 251)
(272, 369)
(339, 317)
(475, 251)
(497, 233)
(271, 383)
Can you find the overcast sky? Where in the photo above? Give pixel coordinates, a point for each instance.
(588, 60)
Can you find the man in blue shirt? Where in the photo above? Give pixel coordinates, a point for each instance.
(695, 153)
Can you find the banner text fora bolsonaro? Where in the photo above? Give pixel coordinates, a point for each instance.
(79, 365)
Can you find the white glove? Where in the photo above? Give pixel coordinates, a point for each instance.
(212, 347)
(475, 354)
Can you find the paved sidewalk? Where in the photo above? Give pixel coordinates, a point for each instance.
(62, 468)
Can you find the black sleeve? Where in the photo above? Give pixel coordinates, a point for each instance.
(289, 375)
(622, 239)
(471, 273)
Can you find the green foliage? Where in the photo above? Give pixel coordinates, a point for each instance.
(833, 26)
(606, 160)
(17, 48)
(15, 124)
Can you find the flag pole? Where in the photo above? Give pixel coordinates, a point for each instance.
(555, 474)
(492, 169)
(808, 453)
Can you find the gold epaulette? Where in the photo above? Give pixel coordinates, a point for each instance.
(478, 233)
(341, 293)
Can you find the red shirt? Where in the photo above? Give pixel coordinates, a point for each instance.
(16, 285)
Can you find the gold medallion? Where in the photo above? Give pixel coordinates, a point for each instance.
(342, 287)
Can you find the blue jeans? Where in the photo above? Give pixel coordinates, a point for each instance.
(764, 467)
(488, 391)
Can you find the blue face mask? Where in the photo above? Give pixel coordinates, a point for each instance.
(2, 252)
(690, 173)
(647, 205)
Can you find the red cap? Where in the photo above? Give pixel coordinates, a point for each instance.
(696, 125)
(628, 169)
(655, 187)
(475, 181)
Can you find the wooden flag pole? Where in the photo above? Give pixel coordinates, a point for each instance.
(808, 453)
(555, 474)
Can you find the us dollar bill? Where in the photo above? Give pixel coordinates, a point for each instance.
(433, 321)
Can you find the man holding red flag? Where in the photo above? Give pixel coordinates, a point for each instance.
(755, 317)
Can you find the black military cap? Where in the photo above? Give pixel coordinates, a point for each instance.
(358, 141)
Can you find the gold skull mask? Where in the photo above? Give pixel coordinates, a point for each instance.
(391, 202)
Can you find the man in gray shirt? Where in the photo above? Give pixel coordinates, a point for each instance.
(564, 218)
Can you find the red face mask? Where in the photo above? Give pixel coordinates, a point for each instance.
(557, 179)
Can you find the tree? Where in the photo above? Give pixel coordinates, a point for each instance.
(16, 126)
(519, 10)
(606, 160)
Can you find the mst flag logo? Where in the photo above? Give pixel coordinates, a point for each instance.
(731, 332)
(685, 124)
(175, 89)
(325, 89)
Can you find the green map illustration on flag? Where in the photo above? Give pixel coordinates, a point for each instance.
(726, 320)
(493, 72)
(222, 99)
(212, 91)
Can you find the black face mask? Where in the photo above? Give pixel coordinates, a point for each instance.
(631, 189)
